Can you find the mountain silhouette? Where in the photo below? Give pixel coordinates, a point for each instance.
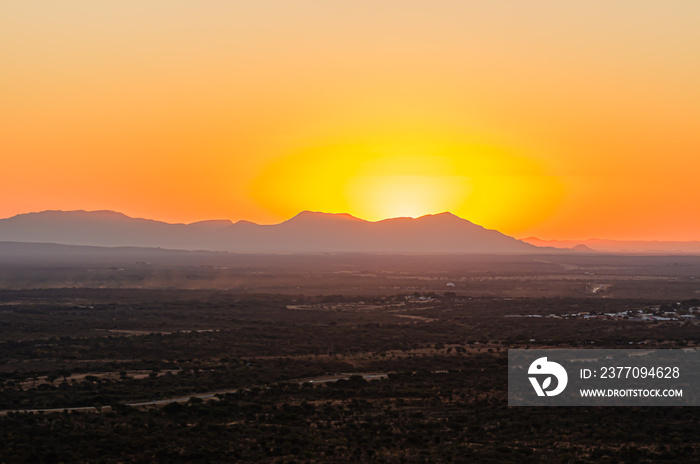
(306, 232)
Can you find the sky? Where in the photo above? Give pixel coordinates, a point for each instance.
(561, 120)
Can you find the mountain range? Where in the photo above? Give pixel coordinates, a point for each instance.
(306, 232)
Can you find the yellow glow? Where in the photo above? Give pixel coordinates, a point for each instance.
(483, 183)
(406, 196)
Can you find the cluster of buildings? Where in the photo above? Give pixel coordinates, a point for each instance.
(676, 312)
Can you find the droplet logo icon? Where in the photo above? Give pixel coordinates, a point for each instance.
(546, 370)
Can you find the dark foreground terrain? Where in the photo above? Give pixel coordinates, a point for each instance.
(414, 373)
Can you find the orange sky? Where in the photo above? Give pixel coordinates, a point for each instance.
(548, 118)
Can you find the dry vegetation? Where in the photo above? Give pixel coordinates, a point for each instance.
(443, 348)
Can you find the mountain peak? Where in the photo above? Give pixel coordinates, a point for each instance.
(444, 216)
(582, 247)
(211, 224)
(316, 216)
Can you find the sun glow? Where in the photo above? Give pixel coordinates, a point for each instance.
(485, 184)
(406, 196)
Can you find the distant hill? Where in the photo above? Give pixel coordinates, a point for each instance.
(620, 246)
(305, 232)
